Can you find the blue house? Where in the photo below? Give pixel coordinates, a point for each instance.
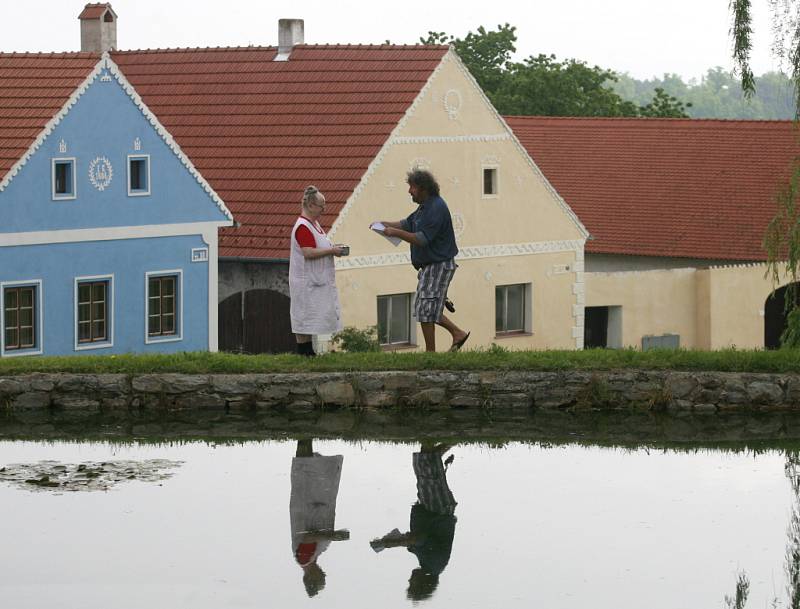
(108, 233)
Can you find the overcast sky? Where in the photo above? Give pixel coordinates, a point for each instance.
(642, 37)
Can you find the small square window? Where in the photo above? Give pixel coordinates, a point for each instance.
(63, 179)
(489, 181)
(512, 308)
(394, 319)
(138, 175)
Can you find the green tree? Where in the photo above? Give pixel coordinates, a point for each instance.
(542, 85)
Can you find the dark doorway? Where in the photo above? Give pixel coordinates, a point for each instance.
(595, 327)
(256, 322)
(775, 316)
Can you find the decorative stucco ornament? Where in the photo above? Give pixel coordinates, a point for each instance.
(100, 173)
(137, 144)
(458, 224)
(452, 103)
(62, 147)
(420, 163)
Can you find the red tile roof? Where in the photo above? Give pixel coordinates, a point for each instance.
(33, 88)
(94, 11)
(665, 187)
(261, 130)
(258, 130)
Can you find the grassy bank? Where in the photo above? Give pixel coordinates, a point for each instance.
(492, 359)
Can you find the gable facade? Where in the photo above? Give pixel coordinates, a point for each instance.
(519, 242)
(109, 242)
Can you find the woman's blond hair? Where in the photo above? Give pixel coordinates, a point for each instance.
(311, 193)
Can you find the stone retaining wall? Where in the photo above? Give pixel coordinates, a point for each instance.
(518, 391)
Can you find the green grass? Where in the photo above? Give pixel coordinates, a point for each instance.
(787, 360)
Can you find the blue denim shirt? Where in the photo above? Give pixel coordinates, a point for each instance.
(432, 224)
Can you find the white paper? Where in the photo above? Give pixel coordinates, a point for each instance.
(379, 227)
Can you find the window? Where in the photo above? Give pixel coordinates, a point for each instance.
(94, 306)
(164, 306)
(394, 319)
(21, 318)
(63, 179)
(490, 181)
(138, 175)
(512, 308)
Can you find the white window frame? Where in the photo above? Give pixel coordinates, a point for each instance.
(527, 311)
(149, 340)
(39, 349)
(496, 168)
(138, 157)
(110, 301)
(62, 197)
(412, 327)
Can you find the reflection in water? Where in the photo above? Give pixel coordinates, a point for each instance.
(433, 523)
(792, 469)
(312, 510)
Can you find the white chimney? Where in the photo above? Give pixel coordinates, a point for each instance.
(98, 28)
(290, 33)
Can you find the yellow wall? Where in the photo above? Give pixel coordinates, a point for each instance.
(714, 308)
(524, 234)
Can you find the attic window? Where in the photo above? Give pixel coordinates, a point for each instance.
(63, 179)
(489, 182)
(138, 175)
(108, 17)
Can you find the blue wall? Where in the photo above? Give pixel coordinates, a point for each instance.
(128, 260)
(104, 123)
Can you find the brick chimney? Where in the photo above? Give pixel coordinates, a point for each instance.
(98, 28)
(290, 33)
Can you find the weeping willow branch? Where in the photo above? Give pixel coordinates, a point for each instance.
(741, 31)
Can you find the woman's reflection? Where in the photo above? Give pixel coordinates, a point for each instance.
(312, 510)
(433, 523)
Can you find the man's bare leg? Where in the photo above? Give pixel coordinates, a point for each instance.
(456, 332)
(429, 334)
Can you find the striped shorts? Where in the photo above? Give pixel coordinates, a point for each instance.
(432, 283)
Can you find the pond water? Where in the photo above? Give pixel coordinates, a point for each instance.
(376, 524)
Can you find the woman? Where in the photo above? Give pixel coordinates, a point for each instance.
(312, 282)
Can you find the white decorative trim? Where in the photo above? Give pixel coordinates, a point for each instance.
(148, 340)
(452, 101)
(62, 146)
(466, 253)
(211, 239)
(420, 163)
(107, 63)
(40, 314)
(376, 162)
(563, 204)
(449, 139)
(137, 145)
(459, 224)
(100, 173)
(110, 306)
(138, 157)
(73, 164)
(110, 233)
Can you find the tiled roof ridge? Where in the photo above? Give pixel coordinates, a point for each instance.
(343, 47)
(61, 54)
(641, 119)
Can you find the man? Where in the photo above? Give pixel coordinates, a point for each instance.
(429, 230)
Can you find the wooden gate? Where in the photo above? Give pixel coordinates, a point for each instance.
(263, 324)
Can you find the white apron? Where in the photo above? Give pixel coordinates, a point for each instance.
(314, 307)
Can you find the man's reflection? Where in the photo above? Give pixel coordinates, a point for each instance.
(433, 523)
(312, 510)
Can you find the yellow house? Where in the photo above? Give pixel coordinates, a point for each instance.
(520, 276)
(677, 210)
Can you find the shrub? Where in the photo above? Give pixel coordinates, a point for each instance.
(356, 340)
